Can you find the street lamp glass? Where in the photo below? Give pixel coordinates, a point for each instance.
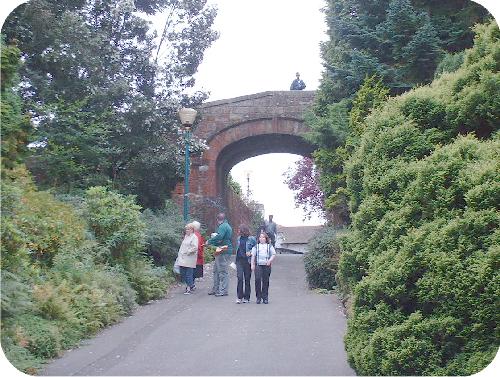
(187, 116)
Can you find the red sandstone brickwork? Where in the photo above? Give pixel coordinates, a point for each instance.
(236, 129)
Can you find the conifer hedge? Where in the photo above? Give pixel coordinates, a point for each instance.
(422, 259)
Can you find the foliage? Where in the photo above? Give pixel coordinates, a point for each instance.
(15, 125)
(304, 181)
(209, 253)
(233, 185)
(331, 157)
(116, 222)
(34, 223)
(449, 63)
(421, 258)
(104, 96)
(73, 293)
(164, 229)
(321, 260)
(400, 41)
(148, 281)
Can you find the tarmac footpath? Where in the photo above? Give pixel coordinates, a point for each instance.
(299, 333)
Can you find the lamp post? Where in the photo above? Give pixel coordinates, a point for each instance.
(187, 117)
(248, 172)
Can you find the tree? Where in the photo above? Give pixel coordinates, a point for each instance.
(396, 44)
(303, 180)
(391, 39)
(419, 263)
(16, 127)
(101, 99)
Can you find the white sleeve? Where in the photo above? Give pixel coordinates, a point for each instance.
(273, 252)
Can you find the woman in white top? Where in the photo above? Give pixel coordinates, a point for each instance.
(186, 258)
(263, 255)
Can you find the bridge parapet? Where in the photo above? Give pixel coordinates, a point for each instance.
(239, 128)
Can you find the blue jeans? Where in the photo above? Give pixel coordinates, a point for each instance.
(187, 275)
(221, 275)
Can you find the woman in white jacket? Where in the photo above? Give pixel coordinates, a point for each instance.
(186, 258)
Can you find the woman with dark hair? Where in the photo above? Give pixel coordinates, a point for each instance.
(263, 255)
(244, 243)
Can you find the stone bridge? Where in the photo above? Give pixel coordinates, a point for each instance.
(236, 129)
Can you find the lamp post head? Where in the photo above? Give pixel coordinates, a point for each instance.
(187, 116)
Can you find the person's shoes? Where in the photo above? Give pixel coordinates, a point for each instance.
(193, 288)
(239, 301)
(187, 291)
(265, 301)
(258, 301)
(220, 294)
(211, 293)
(246, 300)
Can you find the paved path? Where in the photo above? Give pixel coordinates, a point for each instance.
(298, 333)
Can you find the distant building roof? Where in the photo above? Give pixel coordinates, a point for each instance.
(298, 234)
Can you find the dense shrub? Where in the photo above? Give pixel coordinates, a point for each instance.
(40, 336)
(61, 281)
(321, 260)
(421, 259)
(35, 226)
(148, 281)
(116, 223)
(164, 231)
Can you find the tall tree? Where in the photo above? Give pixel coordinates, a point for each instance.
(103, 99)
(398, 40)
(15, 125)
(373, 45)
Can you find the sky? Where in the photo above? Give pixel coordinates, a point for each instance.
(262, 44)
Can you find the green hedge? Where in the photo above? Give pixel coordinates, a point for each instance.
(321, 260)
(421, 259)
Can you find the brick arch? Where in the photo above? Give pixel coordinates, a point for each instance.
(243, 127)
(254, 138)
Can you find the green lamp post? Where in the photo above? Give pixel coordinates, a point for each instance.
(187, 117)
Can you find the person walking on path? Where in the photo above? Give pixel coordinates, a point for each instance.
(244, 244)
(263, 255)
(222, 239)
(200, 261)
(186, 257)
(271, 230)
(297, 84)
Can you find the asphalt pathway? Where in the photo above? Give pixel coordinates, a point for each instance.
(299, 332)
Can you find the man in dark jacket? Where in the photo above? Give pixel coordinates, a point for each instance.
(297, 84)
(222, 240)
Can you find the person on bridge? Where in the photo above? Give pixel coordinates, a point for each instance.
(244, 244)
(297, 84)
(221, 239)
(271, 229)
(263, 255)
(186, 257)
(198, 271)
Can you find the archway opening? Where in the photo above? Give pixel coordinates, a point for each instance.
(262, 180)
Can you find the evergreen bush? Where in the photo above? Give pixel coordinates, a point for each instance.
(164, 230)
(421, 258)
(321, 260)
